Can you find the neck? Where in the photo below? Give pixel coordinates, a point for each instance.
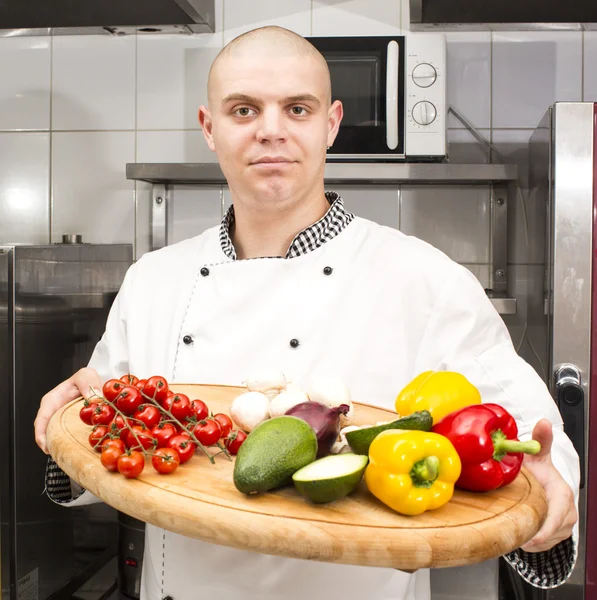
(268, 231)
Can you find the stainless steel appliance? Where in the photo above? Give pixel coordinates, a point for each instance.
(563, 161)
(393, 90)
(54, 301)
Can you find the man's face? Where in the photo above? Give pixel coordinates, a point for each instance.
(270, 123)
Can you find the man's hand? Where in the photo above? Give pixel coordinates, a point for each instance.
(561, 508)
(74, 387)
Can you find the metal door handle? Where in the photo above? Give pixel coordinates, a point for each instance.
(570, 398)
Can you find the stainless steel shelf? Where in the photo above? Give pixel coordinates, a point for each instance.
(337, 173)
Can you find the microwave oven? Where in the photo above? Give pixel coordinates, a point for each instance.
(393, 91)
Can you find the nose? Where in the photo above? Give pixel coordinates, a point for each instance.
(271, 125)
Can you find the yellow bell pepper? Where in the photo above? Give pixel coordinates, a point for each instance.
(439, 392)
(412, 471)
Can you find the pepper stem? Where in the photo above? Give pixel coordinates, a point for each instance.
(502, 445)
(425, 472)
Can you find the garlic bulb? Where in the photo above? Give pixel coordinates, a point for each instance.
(267, 381)
(249, 409)
(285, 401)
(342, 446)
(332, 392)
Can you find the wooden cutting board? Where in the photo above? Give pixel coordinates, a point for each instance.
(199, 500)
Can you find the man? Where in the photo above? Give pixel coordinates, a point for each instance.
(324, 291)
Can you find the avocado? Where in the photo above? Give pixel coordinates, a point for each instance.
(330, 478)
(272, 453)
(360, 439)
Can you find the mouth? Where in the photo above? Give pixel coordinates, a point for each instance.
(272, 161)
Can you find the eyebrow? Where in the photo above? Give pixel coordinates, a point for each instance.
(288, 100)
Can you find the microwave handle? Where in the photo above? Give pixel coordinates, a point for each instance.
(392, 95)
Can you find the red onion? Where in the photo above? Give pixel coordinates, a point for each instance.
(323, 419)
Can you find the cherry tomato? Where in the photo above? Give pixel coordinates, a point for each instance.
(179, 405)
(114, 443)
(112, 388)
(184, 446)
(225, 423)
(156, 387)
(148, 414)
(103, 415)
(139, 385)
(87, 411)
(165, 460)
(199, 409)
(208, 432)
(129, 379)
(131, 464)
(144, 437)
(99, 432)
(118, 426)
(234, 441)
(163, 433)
(109, 458)
(129, 400)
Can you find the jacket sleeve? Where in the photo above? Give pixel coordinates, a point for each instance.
(109, 359)
(466, 334)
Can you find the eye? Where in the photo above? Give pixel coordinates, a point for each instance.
(299, 111)
(244, 111)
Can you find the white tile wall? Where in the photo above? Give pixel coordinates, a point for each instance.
(93, 82)
(455, 220)
(463, 147)
(24, 189)
(195, 210)
(90, 192)
(531, 70)
(356, 17)
(469, 77)
(590, 73)
(241, 16)
(173, 147)
(25, 89)
(172, 79)
(381, 205)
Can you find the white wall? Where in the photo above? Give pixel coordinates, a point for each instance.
(75, 109)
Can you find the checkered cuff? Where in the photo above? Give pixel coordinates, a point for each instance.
(547, 569)
(58, 484)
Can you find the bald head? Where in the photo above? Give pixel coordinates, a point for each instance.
(267, 42)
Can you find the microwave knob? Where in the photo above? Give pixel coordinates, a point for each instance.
(424, 75)
(424, 113)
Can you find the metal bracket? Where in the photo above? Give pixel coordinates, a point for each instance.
(160, 196)
(498, 240)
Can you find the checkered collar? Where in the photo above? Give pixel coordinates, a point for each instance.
(327, 228)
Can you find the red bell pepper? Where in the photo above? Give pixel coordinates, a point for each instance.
(485, 437)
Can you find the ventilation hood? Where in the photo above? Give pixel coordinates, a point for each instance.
(56, 17)
(510, 15)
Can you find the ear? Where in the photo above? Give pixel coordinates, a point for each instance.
(335, 114)
(207, 127)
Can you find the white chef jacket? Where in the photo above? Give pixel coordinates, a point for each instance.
(391, 307)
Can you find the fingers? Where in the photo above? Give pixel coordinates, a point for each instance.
(88, 382)
(543, 433)
(561, 517)
(77, 385)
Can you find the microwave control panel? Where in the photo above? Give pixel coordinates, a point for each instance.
(425, 95)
